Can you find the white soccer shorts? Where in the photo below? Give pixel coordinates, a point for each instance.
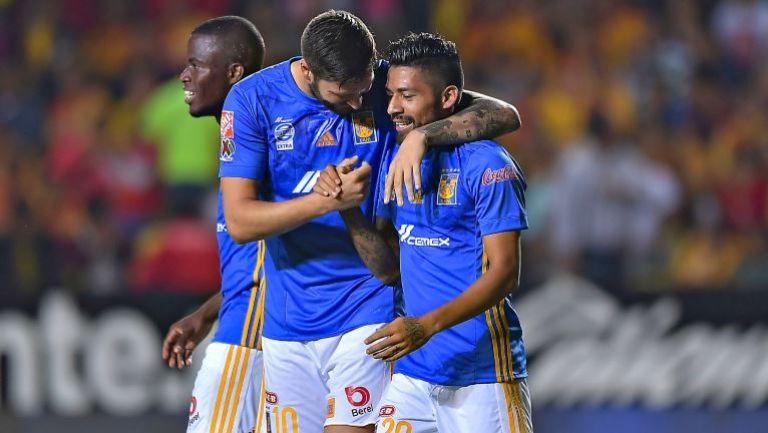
(415, 406)
(227, 390)
(331, 381)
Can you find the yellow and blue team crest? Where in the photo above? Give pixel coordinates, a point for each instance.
(446, 191)
(365, 128)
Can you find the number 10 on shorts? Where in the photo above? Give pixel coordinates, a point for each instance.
(282, 420)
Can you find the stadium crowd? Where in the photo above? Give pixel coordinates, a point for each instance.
(644, 138)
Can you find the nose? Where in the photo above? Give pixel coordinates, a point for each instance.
(394, 106)
(356, 102)
(184, 75)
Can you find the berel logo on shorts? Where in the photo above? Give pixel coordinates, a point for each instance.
(357, 396)
(331, 412)
(508, 172)
(271, 398)
(307, 182)
(387, 410)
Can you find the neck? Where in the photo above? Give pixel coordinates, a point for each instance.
(298, 78)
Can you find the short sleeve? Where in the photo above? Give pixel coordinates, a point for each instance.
(244, 149)
(497, 184)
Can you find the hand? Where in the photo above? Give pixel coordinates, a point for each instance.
(406, 168)
(182, 339)
(328, 184)
(400, 337)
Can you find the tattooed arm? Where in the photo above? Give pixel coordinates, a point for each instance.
(372, 246)
(378, 246)
(478, 117)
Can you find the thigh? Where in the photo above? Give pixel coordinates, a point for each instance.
(294, 388)
(496, 407)
(406, 407)
(225, 394)
(355, 380)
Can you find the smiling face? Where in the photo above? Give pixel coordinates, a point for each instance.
(414, 101)
(206, 77)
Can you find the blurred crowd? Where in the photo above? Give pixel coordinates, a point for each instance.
(644, 139)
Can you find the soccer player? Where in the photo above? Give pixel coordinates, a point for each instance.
(288, 122)
(222, 51)
(460, 358)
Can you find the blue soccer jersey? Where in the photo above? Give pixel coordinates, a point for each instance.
(469, 191)
(242, 280)
(316, 284)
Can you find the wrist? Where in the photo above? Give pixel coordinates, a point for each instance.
(423, 136)
(321, 205)
(430, 324)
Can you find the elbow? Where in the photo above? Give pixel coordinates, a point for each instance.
(388, 276)
(513, 118)
(239, 234)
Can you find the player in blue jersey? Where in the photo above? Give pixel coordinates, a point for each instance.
(460, 358)
(288, 122)
(221, 52)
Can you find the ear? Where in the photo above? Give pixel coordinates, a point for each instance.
(305, 71)
(236, 72)
(450, 97)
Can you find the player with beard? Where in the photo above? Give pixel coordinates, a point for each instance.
(460, 358)
(288, 122)
(221, 52)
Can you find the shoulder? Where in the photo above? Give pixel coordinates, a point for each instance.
(490, 162)
(261, 81)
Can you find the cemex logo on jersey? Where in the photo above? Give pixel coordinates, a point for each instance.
(508, 172)
(405, 236)
(307, 182)
(359, 397)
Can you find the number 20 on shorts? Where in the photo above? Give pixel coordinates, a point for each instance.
(392, 426)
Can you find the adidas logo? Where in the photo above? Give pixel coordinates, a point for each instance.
(326, 140)
(307, 182)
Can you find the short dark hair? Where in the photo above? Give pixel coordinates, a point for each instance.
(432, 53)
(338, 46)
(240, 40)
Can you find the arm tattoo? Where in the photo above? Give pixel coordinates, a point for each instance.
(371, 246)
(414, 330)
(486, 118)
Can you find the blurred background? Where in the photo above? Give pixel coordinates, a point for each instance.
(645, 144)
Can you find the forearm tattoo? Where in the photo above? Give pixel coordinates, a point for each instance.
(485, 119)
(372, 248)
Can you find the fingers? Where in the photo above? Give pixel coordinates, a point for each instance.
(379, 334)
(383, 348)
(416, 169)
(345, 166)
(388, 185)
(408, 179)
(170, 339)
(328, 183)
(398, 185)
